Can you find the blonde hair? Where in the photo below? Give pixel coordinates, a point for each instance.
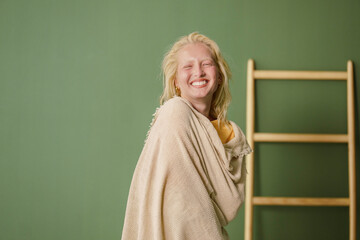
(222, 97)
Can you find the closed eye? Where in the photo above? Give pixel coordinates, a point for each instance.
(207, 64)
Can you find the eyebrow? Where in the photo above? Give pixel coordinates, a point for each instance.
(192, 60)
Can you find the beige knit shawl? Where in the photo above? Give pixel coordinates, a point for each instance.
(187, 184)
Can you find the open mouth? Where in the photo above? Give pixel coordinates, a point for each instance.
(199, 83)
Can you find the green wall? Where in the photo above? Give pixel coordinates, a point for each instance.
(79, 81)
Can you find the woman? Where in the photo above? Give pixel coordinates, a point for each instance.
(189, 180)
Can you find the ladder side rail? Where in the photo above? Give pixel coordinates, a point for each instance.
(351, 150)
(250, 128)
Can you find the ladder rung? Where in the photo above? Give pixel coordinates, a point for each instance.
(297, 137)
(300, 75)
(290, 201)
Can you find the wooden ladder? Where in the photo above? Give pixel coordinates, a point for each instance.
(253, 137)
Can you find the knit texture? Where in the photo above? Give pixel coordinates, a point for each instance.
(187, 184)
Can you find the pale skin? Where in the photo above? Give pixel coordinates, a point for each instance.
(197, 76)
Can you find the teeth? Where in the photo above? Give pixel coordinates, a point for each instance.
(198, 83)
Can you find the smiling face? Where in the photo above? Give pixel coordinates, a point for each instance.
(197, 75)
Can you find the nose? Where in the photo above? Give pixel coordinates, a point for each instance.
(198, 71)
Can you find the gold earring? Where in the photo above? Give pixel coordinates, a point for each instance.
(177, 90)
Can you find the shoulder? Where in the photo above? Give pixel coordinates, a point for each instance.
(173, 114)
(239, 134)
(238, 145)
(177, 109)
(176, 105)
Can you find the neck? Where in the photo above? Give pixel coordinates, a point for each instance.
(203, 107)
